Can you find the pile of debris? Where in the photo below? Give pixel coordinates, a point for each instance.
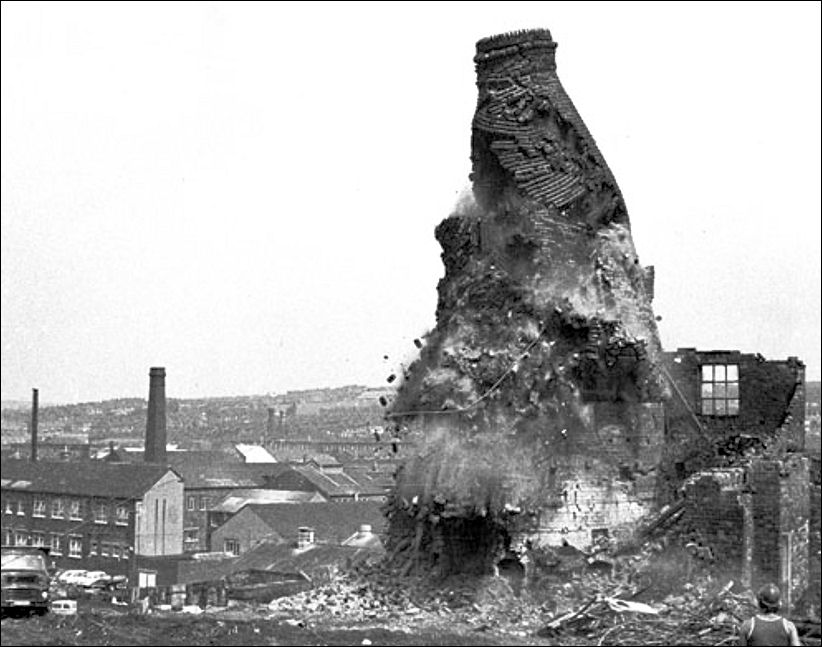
(635, 603)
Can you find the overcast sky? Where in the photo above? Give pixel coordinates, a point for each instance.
(246, 194)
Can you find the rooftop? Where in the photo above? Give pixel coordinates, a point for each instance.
(95, 478)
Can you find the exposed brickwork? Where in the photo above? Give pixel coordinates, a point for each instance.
(757, 521)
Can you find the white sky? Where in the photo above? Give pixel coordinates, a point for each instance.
(246, 194)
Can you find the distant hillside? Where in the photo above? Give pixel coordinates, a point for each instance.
(316, 412)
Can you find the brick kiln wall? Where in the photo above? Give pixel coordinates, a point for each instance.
(538, 392)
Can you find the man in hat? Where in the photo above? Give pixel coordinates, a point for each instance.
(768, 627)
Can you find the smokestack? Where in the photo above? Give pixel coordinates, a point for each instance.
(34, 407)
(155, 451)
(270, 426)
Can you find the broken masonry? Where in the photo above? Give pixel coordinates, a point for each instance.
(537, 398)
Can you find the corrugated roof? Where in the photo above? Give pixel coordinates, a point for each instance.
(94, 478)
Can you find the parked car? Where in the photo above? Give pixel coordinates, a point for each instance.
(91, 578)
(25, 578)
(70, 576)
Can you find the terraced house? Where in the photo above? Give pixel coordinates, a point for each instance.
(93, 515)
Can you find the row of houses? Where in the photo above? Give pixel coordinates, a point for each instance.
(120, 516)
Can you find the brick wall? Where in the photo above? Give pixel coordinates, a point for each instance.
(814, 540)
(759, 522)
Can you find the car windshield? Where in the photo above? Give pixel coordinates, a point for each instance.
(23, 561)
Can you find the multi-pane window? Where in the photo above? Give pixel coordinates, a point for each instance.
(720, 390)
(100, 513)
(9, 507)
(75, 545)
(21, 512)
(38, 539)
(39, 509)
(74, 510)
(8, 538)
(115, 551)
(21, 538)
(56, 543)
(192, 503)
(205, 502)
(57, 508)
(122, 515)
(231, 546)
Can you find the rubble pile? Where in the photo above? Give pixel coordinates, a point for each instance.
(589, 608)
(544, 308)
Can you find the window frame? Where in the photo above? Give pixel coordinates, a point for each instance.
(231, 546)
(39, 508)
(101, 512)
(121, 515)
(75, 505)
(57, 510)
(718, 389)
(56, 543)
(75, 541)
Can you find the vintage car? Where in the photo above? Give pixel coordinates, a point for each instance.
(25, 578)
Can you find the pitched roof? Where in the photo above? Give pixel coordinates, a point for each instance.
(338, 483)
(254, 453)
(332, 522)
(283, 558)
(217, 469)
(239, 498)
(274, 557)
(93, 478)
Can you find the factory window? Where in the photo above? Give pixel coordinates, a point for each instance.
(39, 508)
(719, 391)
(101, 513)
(122, 515)
(57, 508)
(75, 546)
(56, 544)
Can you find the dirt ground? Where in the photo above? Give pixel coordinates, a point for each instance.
(102, 627)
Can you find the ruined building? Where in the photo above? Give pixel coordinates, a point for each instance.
(542, 405)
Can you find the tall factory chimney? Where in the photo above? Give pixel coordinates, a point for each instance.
(155, 451)
(270, 426)
(34, 407)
